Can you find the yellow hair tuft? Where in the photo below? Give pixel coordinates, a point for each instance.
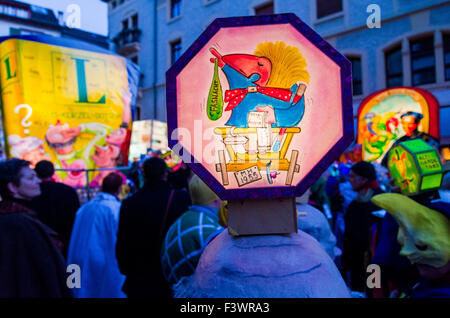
(288, 64)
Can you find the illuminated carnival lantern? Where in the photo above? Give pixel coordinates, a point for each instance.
(248, 112)
(394, 115)
(69, 102)
(415, 167)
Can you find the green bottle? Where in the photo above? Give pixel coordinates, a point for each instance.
(215, 100)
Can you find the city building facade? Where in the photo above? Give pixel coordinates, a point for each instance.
(390, 42)
(19, 18)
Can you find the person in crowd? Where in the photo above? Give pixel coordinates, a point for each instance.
(347, 193)
(398, 273)
(31, 263)
(333, 193)
(263, 266)
(358, 223)
(135, 176)
(318, 197)
(444, 191)
(314, 222)
(93, 241)
(144, 219)
(179, 178)
(191, 232)
(57, 204)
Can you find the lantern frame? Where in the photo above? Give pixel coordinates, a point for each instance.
(346, 103)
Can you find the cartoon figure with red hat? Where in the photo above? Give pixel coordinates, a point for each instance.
(266, 98)
(272, 80)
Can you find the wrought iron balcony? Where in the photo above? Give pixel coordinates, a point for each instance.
(127, 41)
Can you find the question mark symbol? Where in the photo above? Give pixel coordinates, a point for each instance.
(25, 122)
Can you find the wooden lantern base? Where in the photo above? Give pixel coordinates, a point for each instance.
(262, 216)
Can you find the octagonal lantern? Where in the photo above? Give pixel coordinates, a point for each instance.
(415, 167)
(259, 106)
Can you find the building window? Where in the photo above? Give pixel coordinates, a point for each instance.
(21, 31)
(125, 24)
(175, 8)
(266, 8)
(113, 4)
(175, 50)
(328, 7)
(422, 61)
(138, 113)
(356, 75)
(134, 21)
(130, 33)
(14, 31)
(394, 67)
(447, 56)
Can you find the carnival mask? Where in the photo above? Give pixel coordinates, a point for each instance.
(424, 234)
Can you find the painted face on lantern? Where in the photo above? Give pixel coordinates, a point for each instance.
(248, 65)
(117, 137)
(62, 137)
(423, 233)
(409, 124)
(35, 155)
(105, 157)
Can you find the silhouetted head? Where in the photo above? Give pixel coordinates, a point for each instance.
(361, 173)
(112, 183)
(44, 169)
(201, 194)
(155, 169)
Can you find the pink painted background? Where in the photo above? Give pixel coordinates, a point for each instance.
(321, 126)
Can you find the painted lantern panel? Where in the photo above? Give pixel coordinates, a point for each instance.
(259, 105)
(415, 167)
(389, 115)
(403, 170)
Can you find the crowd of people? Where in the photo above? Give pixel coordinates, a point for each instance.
(143, 245)
(366, 234)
